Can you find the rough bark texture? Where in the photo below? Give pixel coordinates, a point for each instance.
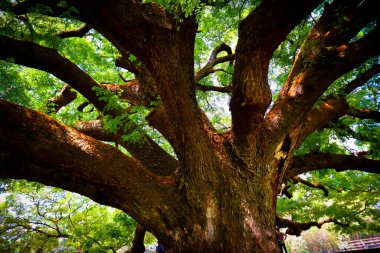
(219, 193)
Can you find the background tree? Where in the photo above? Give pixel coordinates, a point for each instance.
(44, 218)
(199, 178)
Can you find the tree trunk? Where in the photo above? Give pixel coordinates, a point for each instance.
(231, 207)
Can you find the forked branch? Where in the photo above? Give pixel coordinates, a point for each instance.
(336, 106)
(214, 60)
(251, 94)
(317, 67)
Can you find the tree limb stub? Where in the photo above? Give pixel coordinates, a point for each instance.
(316, 160)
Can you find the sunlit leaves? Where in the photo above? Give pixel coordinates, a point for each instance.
(353, 198)
(35, 216)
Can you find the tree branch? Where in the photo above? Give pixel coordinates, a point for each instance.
(334, 107)
(49, 60)
(316, 161)
(35, 147)
(298, 179)
(315, 69)
(360, 80)
(129, 91)
(80, 32)
(146, 151)
(40, 231)
(223, 89)
(320, 117)
(364, 114)
(214, 60)
(296, 228)
(65, 97)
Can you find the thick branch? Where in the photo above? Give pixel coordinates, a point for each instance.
(35, 147)
(319, 118)
(296, 228)
(342, 20)
(80, 32)
(145, 33)
(360, 80)
(315, 69)
(251, 93)
(316, 161)
(65, 97)
(298, 179)
(146, 151)
(49, 60)
(364, 114)
(334, 107)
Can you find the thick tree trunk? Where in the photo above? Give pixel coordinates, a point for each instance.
(232, 209)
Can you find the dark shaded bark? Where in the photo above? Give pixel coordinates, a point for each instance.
(138, 240)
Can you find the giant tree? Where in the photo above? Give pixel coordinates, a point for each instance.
(216, 189)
